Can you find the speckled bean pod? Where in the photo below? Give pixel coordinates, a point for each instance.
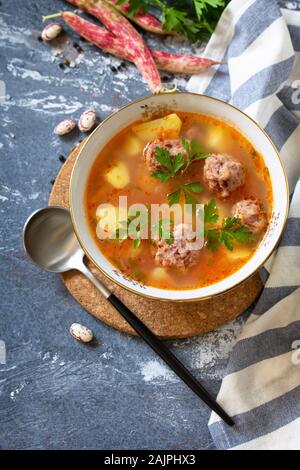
(133, 43)
(167, 61)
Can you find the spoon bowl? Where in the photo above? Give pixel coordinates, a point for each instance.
(50, 241)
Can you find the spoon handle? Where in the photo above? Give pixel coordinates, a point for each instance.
(98, 284)
(159, 347)
(165, 353)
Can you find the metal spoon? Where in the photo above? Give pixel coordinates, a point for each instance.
(51, 243)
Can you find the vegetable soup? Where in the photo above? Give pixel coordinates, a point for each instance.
(181, 158)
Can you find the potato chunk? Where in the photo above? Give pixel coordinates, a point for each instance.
(217, 139)
(168, 126)
(132, 146)
(108, 218)
(159, 275)
(239, 252)
(118, 175)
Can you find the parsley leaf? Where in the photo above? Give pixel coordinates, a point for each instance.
(137, 242)
(187, 189)
(174, 198)
(178, 162)
(213, 239)
(193, 19)
(163, 227)
(125, 230)
(163, 157)
(210, 212)
(230, 222)
(173, 19)
(161, 175)
(135, 6)
(227, 238)
(231, 230)
(201, 6)
(195, 187)
(242, 234)
(194, 152)
(170, 165)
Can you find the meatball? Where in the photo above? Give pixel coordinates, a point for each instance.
(223, 175)
(194, 132)
(180, 254)
(251, 214)
(174, 146)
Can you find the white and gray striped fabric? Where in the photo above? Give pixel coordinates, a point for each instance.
(260, 44)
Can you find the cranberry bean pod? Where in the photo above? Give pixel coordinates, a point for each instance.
(132, 43)
(167, 61)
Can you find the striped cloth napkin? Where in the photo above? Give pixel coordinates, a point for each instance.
(261, 46)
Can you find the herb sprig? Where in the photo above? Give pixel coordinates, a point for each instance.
(163, 228)
(195, 20)
(229, 232)
(194, 152)
(186, 189)
(171, 166)
(125, 229)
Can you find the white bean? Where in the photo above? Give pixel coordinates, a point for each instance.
(65, 127)
(87, 120)
(81, 333)
(51, 31)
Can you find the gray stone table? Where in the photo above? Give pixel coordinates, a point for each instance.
(55, 392)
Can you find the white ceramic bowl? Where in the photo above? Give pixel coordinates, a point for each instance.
(190, 103)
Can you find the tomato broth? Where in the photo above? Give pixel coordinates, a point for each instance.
(125, 152)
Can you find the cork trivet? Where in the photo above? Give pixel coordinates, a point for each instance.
(169, 320)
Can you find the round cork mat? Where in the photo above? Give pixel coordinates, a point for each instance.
(169, 320)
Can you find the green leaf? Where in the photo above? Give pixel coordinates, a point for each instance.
(240, 233)
(185, 144)
(178, 162)
(194, 151)
(164, 230)
(174, 198)
(162, 155)
(195, 187)
(195, 147)
(201, 156)
(121, 234)
(171, 165)
(226, 238)
(230, 222)
(213, 239)
(135, 6)
(137, 242)
(210, 212)
(169, 240)
(161, 175)
(173, 19)
(194, 22)
(243, 234)
(202, 6)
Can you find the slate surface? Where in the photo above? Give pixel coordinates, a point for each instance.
(55, 392)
